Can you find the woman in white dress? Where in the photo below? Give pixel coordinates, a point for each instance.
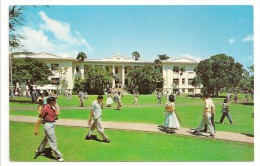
(171, 121)
(136, 97)
(109, 99)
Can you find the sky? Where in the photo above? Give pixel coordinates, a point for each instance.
(102, 31)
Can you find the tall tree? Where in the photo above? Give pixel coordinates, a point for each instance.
(96, 79)
(163, 57)
(15, 20)
(145, 78)
(247, 80)
(220, 71)
(25, 69)
(81, 57)
(136, 55)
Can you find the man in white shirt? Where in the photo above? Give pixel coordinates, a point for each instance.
(213, 112)
(206, 117)
(96, 113)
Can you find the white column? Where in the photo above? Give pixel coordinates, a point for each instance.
(82, 71)
(123, 75)
(113, 79)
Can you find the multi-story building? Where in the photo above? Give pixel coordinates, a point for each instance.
(67, 69)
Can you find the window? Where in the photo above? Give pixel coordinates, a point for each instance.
(54, 66)
(175, 81)
(126, 81)
(190, 81)
(191, 72)
(55, 81)
(176, 69)
(107, 69)
(116, 70)
(77, 68)
(125, 70)
(190, 90)
(183, 90)
(183, 81)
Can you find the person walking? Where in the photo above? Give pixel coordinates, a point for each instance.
(159, 97)
(206, 117)
(96, 113)
(171, 121)
(236, 97)
(81, 98)
(119, 101)
(109, 101)
(69, 94)
(48, 116)
(225, 112)
(136, 97)
(212, 119)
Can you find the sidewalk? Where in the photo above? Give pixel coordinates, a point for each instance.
(221, 135)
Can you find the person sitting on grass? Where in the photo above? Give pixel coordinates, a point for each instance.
(171, 119)
(225, 112)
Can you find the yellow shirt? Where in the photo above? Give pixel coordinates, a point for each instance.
(39, 110)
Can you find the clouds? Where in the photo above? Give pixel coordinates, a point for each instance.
(248, 38)
(231, 40)
(55, 37)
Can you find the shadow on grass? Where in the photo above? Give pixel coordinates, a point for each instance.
(94, 137)
(249, 135)
(251, 104)
(21, 101)
(46, 153)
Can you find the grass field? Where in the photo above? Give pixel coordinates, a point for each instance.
(131, 145)
(125, 146)
(148, 111)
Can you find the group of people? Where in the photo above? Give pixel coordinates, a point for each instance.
(172, 120)
(49, 110)
(48, 115)
(229, 96)
(115, 99)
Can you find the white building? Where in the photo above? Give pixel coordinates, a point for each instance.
(67, 69)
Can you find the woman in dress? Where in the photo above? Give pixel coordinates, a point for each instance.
(136, 97)
(109, 99)
(171, 121)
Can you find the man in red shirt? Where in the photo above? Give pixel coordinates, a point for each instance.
(48, 115)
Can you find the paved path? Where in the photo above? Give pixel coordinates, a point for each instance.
(221, 135)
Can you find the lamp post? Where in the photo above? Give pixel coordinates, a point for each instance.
(12, 89)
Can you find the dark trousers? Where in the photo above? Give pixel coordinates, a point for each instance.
(212, 121)
(224, 114)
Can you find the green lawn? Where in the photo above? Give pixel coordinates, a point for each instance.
(148, 111)
(125, 146)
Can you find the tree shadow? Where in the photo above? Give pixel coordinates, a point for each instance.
(46, 153)
(249, 135)
(251, 104)
(21, 101)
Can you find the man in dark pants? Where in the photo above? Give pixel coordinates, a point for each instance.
(213, 112)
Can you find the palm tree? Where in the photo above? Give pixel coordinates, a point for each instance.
(81, 57)
(163, 57)
(136, 55)
(182, 70)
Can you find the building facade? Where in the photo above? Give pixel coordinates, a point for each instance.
(65, 70)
